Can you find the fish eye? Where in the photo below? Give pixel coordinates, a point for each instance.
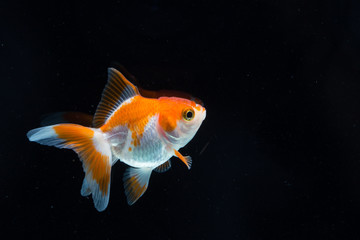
(188, 114)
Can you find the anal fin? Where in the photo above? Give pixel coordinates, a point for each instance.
(136, 181)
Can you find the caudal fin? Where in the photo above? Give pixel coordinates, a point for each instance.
(94, 152)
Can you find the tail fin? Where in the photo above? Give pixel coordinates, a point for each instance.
(94, 152)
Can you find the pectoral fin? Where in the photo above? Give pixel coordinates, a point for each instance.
(136, 181)
(186, 159)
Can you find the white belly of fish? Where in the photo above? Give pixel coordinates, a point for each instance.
(151, 152)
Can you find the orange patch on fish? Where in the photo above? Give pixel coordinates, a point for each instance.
(171, 111)
(135, 115)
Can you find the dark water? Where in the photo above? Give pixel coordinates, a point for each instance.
(277, 157)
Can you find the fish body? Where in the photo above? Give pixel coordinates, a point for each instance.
(143, 133)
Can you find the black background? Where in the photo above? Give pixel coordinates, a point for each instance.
(276, 158)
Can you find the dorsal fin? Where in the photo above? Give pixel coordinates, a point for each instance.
(117, 90)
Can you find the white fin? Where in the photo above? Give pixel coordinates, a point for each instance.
(136, 181)
(44, 136)
(163, 167)
(117, 90)
(85, 189)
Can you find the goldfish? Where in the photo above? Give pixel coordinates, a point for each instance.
(143, 133)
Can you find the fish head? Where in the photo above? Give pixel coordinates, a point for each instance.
(180, 119)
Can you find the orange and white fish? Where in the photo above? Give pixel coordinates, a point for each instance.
(143, 133)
